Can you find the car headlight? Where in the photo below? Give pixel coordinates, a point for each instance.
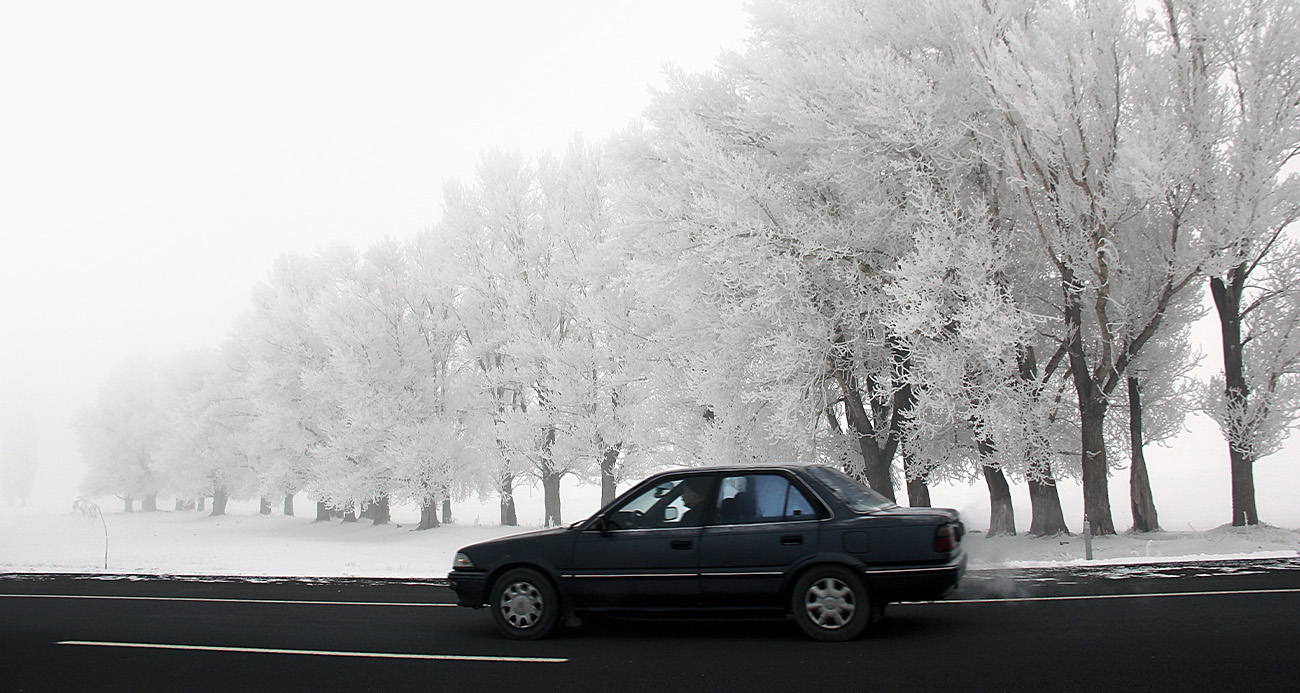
(462, 561)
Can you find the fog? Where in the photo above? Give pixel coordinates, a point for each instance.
(156, 157)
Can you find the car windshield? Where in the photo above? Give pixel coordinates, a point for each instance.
(852, 493)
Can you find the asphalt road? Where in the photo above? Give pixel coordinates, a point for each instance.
(1196, 627)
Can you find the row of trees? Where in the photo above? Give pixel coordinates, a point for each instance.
(938, 242)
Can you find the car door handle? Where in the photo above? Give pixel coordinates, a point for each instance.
(682, 544)
(792, 540)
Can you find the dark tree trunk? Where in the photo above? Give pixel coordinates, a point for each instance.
(288, 505)
(1096, 489)
(350, 513)
(428, 517)
(264, 506)
(875, 464)
(551, 498)
(507, 490)
(323, 513)
(1141, 501)
(149, 503)
(873, 473)
(1227, 301)
(219, 499)
(918, 493)
(446, 511)
(1002, 515)
(380, 513)
(608, 465)
(1092, 415)
(202, 503)
(1045, 515)
(918, 489)
(1047, 519)
(128, 504)
(916, 480)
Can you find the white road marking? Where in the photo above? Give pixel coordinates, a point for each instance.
(317, 653)
(210, 599)
(1087, 597)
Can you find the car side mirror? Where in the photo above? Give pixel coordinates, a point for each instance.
(670, 514)
(602, 525)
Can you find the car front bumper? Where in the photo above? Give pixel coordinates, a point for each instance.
(470, 587)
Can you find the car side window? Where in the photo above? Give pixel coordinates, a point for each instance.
(670, 503)
(760, 498)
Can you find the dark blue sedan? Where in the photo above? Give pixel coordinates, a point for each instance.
(803, 540)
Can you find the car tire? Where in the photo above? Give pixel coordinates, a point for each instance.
(525, 606)
(830, 603)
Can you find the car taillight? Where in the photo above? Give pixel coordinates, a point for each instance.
(945, 538)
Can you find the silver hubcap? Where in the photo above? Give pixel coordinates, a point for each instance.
(522, 604)
(830, 603)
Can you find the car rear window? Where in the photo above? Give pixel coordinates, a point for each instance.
(851, 492)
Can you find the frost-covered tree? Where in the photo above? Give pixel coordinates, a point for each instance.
(1082, 126)
(1257, 423)
(1243, 62)
(210, 448)
(119, 436)
(525, 235)
(788, 194)
(281, 346)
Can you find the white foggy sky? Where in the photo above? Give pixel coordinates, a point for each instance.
(155, 157)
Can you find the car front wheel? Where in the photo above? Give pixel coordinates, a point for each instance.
(525, 605)
(830, 603)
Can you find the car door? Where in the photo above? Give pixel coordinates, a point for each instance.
(643, 553)
(762, 525)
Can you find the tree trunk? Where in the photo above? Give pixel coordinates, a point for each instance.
(219, 499)
(1045, 515)
(608, 465)
(149, 503)
(446, 511)
(322, 512)
(507, 491)
(1139, 484)
(918, 493)
(916, 480)
(428, 518)
(264, 506)
(1227, 300)
(875, 470)
(1047, 518)
(1002, 515)
(380, 513)
(202, 503)
(875, 466)
(551, 498)
(288, 505)
(128, 504)
(918, 489)
(1096, 491)
(1092, 415)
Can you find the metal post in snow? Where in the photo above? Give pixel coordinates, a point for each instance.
(1087, 540)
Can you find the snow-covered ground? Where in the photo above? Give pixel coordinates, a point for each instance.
(245, 543)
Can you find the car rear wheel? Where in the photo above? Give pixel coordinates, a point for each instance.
(830, 603)
(525, 605)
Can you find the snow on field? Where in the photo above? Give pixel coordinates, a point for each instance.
(245, 543)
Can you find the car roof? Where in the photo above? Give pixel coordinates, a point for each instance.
(732, 468)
